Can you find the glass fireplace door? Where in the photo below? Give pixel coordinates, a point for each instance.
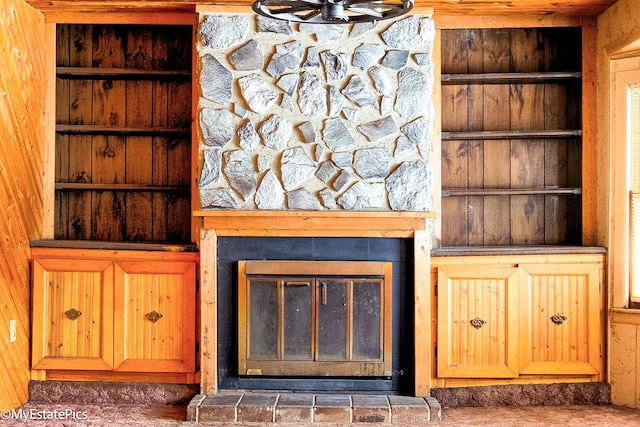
(314, 325)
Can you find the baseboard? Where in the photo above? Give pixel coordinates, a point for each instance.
(81, 392)
(593, 393)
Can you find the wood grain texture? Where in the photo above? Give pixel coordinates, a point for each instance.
(143, 344)
(446, 7)
(114, 291)
(123, 143)
(545, 284)
(62, 342)
(506, 137)
(23, 83)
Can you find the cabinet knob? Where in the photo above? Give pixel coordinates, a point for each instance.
(477, 322)
(72, 313)
(558, 319)
(154, 316)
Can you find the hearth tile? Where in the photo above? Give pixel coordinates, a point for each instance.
(333, 401)
(435, 409)
(256, 408)
(332, 408)
(219, 407)
(370, 409)
(294, 408)
(192, 409)
(409, 410)
(296, 400)
(369, 401)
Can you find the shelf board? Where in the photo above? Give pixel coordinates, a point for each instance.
(511, 134)
(120, 130)
(509, 78)
(510, 191)
(82, 186)
(96, 73)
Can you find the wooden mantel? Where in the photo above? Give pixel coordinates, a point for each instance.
(314, 224)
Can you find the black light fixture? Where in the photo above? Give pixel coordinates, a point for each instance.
(332, 11)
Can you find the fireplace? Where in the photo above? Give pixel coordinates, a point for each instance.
(398, 238)
(314, 318)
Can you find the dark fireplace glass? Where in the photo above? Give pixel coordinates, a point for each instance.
(366, 320)
(263, 305)
(298, 311)
(332, 320)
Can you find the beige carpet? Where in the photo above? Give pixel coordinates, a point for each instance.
(171, 416)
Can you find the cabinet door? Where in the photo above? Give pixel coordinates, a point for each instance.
(154, 311)
(560, 319)
(72, 314)
(477, 322)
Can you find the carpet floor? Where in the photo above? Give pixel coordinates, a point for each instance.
(68, 415)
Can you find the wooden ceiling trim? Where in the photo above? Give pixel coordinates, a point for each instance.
(544, 8)
(160, 17)
(503, 21)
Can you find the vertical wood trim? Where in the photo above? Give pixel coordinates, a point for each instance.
(208, 312)
(436, 139)
(422, 310)
(595, 325)
(40, 296)
(49, 132)
(196, 222)
(589, 132)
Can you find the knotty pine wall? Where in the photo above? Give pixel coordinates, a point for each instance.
(22, 89)
(618, 31)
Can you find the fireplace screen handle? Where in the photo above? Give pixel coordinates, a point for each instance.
(323, 293)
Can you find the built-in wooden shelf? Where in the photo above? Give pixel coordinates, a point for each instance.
(82, 186)
(509, 191)
(508, 78)
(511, 134)
(120, 130)
(97, 73)
(315, 223)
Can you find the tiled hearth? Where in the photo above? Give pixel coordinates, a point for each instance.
(304, 408)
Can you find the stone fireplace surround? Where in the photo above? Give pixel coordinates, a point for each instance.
(315, 116)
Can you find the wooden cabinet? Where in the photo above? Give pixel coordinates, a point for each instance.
(477, 304)
(560, 306)
(114, 311)
(519, 316)
(72, 314)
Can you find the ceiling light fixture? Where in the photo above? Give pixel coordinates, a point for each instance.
(332, 11)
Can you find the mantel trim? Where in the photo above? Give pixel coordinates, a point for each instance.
(314, 223)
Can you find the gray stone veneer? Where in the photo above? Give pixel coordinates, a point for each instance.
(312, 116)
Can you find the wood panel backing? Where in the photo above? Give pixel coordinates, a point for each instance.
(154, 167)
(470, 220)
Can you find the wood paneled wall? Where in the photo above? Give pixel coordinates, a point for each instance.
(22, 90)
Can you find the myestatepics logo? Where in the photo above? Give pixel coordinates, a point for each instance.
(36, 414)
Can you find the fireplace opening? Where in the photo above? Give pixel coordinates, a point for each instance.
(315, 318)
(397, 251)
